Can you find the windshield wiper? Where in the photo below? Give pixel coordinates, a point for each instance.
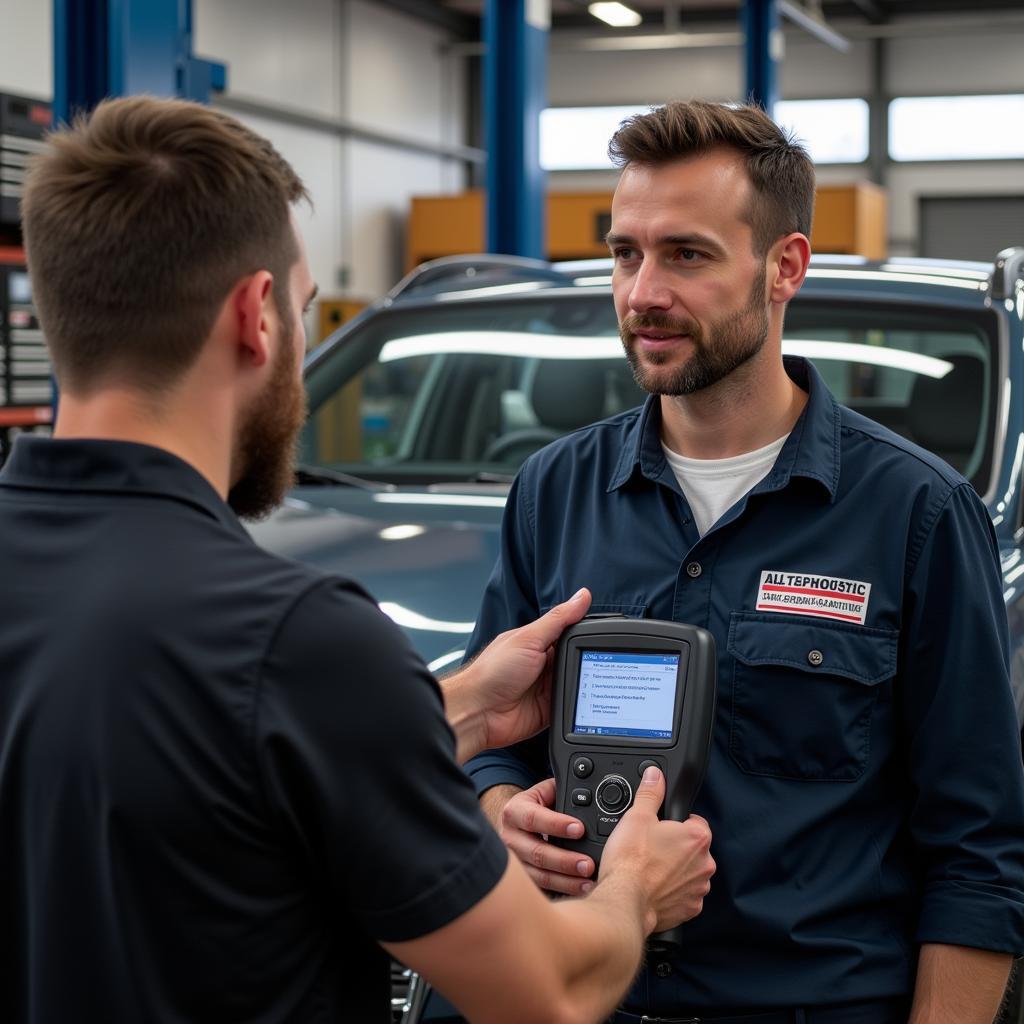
(484, 477)
(306, 475)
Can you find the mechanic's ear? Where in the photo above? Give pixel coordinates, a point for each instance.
(787, 266)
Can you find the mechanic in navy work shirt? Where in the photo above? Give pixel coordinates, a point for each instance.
(227, 782)
(865, 783)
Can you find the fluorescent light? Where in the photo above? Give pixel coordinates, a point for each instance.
(911, 276)
(413, 620)
(454, 500)
(876, 355)
(917, 265)
(515, 344)
(615, 14)
(495, 289)
(445, 659)
(520, 344)
(403, 531)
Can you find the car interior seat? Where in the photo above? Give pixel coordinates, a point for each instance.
(944, 414)
(565, 394)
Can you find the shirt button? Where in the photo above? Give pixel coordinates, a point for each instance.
(693, 570)
(815, 658)
(663, 969)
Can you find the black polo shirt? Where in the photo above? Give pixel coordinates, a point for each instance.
(223, 775)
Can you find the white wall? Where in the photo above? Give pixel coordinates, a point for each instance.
(398, 80)
(372, 67)
(355, 60)
(26, 48)
(338, 59)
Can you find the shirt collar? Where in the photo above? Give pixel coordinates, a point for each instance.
(112, 467)
(811, 451)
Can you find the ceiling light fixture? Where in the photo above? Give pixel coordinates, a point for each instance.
(615, 14)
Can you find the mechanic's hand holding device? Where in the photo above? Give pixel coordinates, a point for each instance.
(629, 693)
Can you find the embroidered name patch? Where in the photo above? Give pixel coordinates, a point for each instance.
(828, 597)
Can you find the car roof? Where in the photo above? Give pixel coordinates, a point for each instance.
(478, 276)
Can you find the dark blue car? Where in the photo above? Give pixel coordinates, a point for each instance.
(424, 407)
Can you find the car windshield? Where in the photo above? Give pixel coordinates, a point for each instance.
(467, 390)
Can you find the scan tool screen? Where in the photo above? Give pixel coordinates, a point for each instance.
(626, 693)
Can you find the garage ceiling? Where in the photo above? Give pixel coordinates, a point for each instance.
(462, 17)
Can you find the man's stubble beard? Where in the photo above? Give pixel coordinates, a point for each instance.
(266, 447)
(728, 344)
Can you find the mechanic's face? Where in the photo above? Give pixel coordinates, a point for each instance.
(266, 444)
(689, 291)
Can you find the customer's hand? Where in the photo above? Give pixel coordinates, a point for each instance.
(671, 859)
(504, 695)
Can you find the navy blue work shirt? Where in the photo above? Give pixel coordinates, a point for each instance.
(865, 787)
(202, 817)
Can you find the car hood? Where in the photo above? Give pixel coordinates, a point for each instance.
(424, 554)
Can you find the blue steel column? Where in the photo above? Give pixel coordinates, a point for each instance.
(122, 48)
(125, 47)
(515, 89)
(763, 41)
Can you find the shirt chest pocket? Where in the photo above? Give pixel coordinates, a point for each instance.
(803, 695)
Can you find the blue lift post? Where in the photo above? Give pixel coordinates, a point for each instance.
(121, 48)
(763, 41)
(515, 90)
(125, 47)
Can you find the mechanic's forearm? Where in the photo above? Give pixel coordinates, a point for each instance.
(602, 944)
(493, 800)
(959, 985)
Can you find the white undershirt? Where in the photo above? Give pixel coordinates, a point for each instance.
(713, 486)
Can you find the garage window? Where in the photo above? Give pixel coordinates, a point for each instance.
(835, 131)
(957, 127)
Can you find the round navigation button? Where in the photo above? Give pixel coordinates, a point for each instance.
(613, 794)
(582, 767)
(644, 765)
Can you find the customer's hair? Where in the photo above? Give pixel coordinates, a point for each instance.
(779, 168)
(138, 221)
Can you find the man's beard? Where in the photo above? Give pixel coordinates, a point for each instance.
(265, 451)
(728, 344)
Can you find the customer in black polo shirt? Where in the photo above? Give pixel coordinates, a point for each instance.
(227, 784)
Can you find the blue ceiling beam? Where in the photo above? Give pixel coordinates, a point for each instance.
(515, 93)
(763, 42)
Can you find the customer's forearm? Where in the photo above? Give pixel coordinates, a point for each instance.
(959, 985)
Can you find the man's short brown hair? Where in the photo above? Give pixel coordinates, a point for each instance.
(138, 220)
(779, 169)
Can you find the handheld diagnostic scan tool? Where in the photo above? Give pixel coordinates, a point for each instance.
(629, 693)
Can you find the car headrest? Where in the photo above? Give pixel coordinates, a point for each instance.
(568, 393)
(944, 414)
